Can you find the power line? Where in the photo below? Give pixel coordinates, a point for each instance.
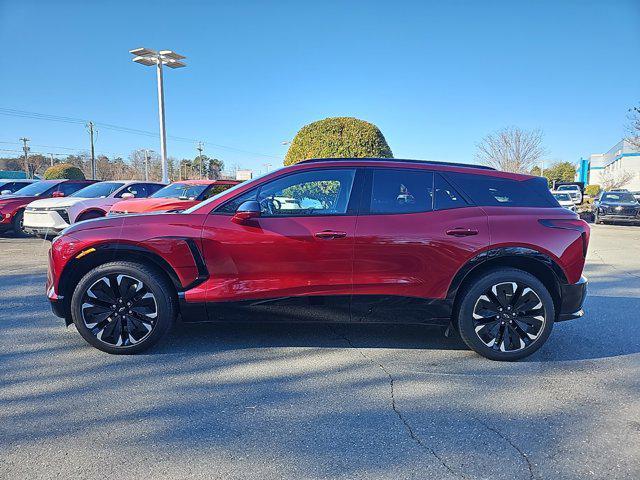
(134, 131)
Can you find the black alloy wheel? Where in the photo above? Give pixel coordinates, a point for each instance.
(123, 307)
(508, 317)
(505, 314)
(119, 310)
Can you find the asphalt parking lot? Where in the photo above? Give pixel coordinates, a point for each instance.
(322, 401)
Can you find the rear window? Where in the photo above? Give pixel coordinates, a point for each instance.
(486, 190)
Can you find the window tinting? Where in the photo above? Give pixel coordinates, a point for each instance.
(70, 187)
(446, 196)
(401, 191)
(487, 190)
(317, 192)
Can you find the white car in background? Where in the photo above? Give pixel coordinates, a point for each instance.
(49, 216)
(573, 190)
(564, 199)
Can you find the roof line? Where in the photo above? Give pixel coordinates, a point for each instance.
(422, 162)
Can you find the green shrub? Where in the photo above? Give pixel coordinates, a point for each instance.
(592, 190)
(63, 170)
(338, 137)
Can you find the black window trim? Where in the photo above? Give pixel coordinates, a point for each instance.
(365, 199)
(352, 205)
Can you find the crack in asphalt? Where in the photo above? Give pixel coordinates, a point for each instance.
(631, 274)
(394, 407)
(524, 456)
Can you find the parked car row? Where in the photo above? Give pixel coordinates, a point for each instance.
(46, 207)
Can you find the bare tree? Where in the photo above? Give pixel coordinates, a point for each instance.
(634, 127)
(511, 149)
(611, 181)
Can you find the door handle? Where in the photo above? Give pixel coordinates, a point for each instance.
(329, 234)
(461, 232)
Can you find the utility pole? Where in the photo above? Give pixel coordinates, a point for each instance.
(93, 157)
(24, 141)
(200, 148)
(146, 165)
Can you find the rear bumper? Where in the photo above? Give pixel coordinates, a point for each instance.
(571, 299)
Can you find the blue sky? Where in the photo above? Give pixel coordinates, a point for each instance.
(434, 76)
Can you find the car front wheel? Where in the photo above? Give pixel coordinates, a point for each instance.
(123, 307)
(506, 314)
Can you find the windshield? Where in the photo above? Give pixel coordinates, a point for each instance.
(98, 190)
(230, 190)
(569, 187)
(622, 197)
(183, 191)
(35, 189)
(562, 197)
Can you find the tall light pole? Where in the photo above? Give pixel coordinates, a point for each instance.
(171, 59)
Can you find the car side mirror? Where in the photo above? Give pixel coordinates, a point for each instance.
(57, 194)
(246, 211)
(128, 195)
(5, 192)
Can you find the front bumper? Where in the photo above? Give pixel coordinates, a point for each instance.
(571, 299)
(43, 222)
(619, 218)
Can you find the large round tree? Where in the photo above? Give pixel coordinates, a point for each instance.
(63, 170)
(338, 137)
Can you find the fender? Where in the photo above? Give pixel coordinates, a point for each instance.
(505, 253)
(90, 209)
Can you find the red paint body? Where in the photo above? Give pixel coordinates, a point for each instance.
(406, 255)
(10, 205)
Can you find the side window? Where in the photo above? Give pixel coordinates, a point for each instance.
(139, 190)
(152, 188)
(446, 196)
(401, 191)
(232, 205)
(71, 187)
(317, 192)
(489, 190)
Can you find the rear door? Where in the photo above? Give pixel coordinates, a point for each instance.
(413, 233)
(298, 253)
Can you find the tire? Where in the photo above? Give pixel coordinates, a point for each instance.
(491, 304)
(89, 216)
(18, 229)
(125, 329)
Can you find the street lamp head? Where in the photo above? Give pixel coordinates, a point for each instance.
(148, 61)
(171, 54)
(143, 52)
(173, 63)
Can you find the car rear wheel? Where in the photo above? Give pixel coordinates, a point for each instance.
(18, 227)
(506, 314)
(123, 307)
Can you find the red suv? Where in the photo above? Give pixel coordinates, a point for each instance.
(490, 253)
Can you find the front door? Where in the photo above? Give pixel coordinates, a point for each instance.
(298, 254)
(413, 234)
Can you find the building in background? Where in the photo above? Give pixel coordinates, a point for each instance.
(244, 175)
(12, 174)
(621, 157)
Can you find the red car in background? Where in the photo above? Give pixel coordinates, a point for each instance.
(175, 197)
(12, 206)
(489, 253)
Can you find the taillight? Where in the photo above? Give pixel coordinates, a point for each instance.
(569, 224)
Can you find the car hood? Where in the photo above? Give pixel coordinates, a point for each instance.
(60, 202)
(152, 205)
(15, 200)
